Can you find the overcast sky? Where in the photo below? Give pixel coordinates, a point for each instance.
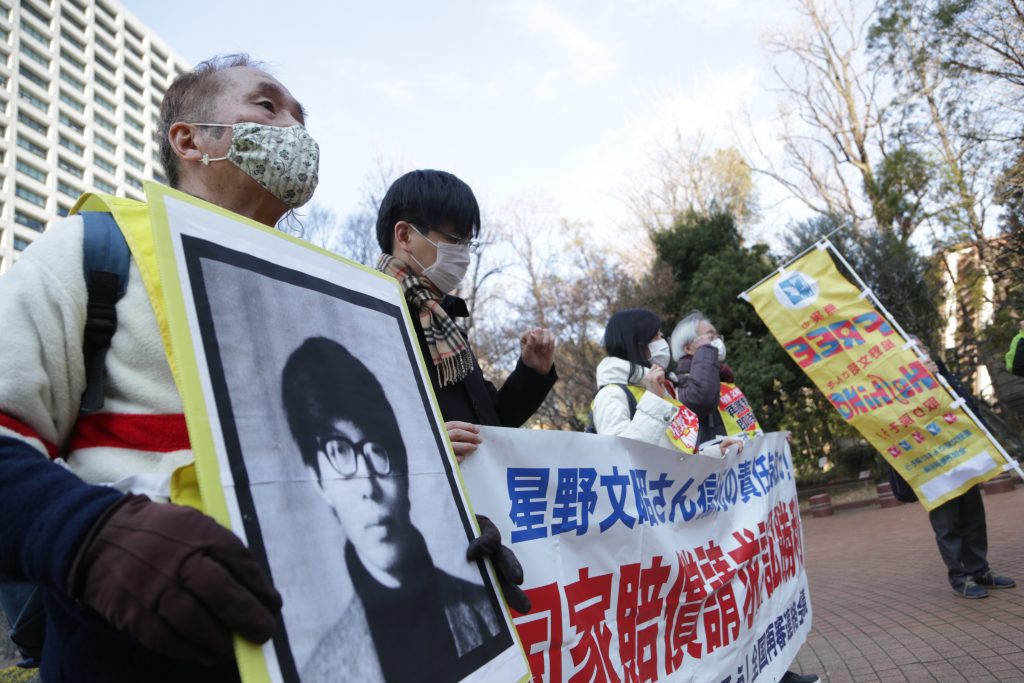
(558, 102)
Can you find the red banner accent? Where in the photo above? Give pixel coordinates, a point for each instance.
(153, 433)
(19, 427)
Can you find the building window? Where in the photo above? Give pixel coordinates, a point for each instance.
(73, 40)
(104, 186)
(31, 171)
(28, 220)
(105, 64)
(103, 122)
(20, 243)
(133, 143)
(107, 85)
(71, 80)
(133, 103)
(71, 168)
(134, 86)
(31, 30)
(111, 50)
(30, 196)
(103, 143)
(160, 178)
(33, 123)
(32, 77)
(69, 190)
(35, 55)
(36, 102)
(104, 164)
(134, 123)
(30, 146)
(133, 67)
(76, 22)
(35, 14)
(68, 143)
(134, 182)
(105, 25)
(71, 102)
(63, 210)
(134, 163)
(104, 102)
(72, 124)
(74, 61)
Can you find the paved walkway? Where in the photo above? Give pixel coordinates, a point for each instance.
(883, 610)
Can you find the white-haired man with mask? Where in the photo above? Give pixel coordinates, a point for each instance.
(135, 588)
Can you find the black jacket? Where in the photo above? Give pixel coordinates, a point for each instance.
(476, 400)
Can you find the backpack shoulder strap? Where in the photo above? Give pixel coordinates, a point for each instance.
(630, 399)
(105, 262)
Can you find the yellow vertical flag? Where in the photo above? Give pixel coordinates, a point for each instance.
(859, 361)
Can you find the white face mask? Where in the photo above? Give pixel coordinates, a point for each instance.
(720, 345)
(450, 266)
(284, 160)
(660, 354)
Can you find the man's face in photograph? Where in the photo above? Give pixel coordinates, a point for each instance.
(369, 492)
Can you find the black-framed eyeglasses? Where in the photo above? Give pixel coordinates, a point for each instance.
(341, 454)
(474, 245)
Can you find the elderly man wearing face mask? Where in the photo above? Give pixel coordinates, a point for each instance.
(135, 588)
(705, 384)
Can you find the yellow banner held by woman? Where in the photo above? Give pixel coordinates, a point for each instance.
(857, 359)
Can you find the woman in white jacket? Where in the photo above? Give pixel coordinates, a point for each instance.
(637, 357)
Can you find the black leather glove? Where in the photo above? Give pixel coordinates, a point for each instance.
(174, 579)
(506, 566)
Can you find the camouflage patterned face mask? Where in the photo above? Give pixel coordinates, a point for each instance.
(284, 160)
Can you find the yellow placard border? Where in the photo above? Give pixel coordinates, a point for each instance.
(251, 663)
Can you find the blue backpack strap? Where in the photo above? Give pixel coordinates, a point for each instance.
(105, 261)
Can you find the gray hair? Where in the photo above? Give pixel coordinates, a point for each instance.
(685, 332)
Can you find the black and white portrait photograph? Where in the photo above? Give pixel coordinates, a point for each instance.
(334, 462)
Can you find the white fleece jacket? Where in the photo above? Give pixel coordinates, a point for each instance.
(653, 413)
(140, 434)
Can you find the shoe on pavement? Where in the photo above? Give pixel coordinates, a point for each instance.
(966, 588)
(990, 580)
(794, 677)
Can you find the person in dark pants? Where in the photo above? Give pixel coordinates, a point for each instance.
(959, 524)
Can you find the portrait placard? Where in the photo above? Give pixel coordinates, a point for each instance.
(318, 441)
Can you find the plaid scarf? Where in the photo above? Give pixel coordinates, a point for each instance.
(449, 349)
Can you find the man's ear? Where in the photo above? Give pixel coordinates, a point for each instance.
(183, 139)
(402, 236)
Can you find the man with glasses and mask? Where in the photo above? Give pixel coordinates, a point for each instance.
(418, 619)
(425, 227)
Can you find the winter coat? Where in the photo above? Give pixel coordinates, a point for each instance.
(699, 380)
(477, 400)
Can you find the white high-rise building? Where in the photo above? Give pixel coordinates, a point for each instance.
(81, 83)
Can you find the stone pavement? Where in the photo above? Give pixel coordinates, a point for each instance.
(883, 610)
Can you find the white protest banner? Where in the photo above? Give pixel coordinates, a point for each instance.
(644, 566)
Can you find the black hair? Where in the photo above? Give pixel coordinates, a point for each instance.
(323, 382)
(428, 199)
(628, 333)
